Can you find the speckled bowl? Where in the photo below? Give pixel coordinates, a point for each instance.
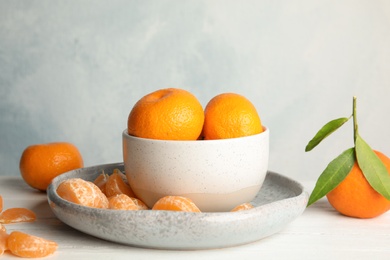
(216, 174)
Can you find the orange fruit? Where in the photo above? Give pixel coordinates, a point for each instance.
(40, 163)
(167, 114)
(25, 245)
(1, 203)
(116, 185)
(15, 215)
(354, 196)
(82, 192)
(175, 203)
(230, 115)
(244, 206)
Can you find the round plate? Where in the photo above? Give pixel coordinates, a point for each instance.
(279, 202)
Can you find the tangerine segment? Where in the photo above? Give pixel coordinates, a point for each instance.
(3, 239)
(82, 192)
(101, 181)
(121, 201)
(116, 185)
(176, 203)
(244, 206)
(1, 203)
(15, 215)
(140, 204)
(25, 245)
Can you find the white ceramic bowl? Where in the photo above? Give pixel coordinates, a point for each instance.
(216, 174)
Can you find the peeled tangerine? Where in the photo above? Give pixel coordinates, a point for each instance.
(82, 192)
(25, 245)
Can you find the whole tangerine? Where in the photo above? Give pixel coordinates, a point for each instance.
(354, 196)
(230, 115)
(167, 114)
(40, 163)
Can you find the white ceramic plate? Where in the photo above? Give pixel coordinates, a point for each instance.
(280, 201)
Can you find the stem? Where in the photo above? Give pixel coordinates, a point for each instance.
(355, 124)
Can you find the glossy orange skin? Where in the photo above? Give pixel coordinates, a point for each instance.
(167, 114)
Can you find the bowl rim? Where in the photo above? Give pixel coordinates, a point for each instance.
(265, 132)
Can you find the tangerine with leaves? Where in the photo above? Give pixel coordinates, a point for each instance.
(167, 114)
(357, 182)
(40, 163)
(230, 115)
(354, 196)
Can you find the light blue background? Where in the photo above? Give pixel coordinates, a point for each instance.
(72, 70)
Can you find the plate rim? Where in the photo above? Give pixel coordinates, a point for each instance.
(300, 197)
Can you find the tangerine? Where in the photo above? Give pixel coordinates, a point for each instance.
(82, 192)
(230, 115)
(25, 245)
(354, 196)
(40, 163)
(167, 114)
(175, 203)
(101, 181)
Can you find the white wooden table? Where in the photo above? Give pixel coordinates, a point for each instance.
(319, 233)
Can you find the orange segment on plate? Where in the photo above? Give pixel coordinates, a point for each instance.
(15, 215)
(25, 245)
(121, 201)
(175, 203)
(244, 206)
(82, 192)
(101, 181)
(140, 204)
(116, 185)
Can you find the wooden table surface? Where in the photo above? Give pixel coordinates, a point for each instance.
(319, 233)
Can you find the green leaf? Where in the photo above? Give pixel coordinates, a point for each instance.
(372, 167)
(335, 172)
(325, 131)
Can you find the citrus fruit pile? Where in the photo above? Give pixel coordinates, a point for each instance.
(176, 114)
(113, 192)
